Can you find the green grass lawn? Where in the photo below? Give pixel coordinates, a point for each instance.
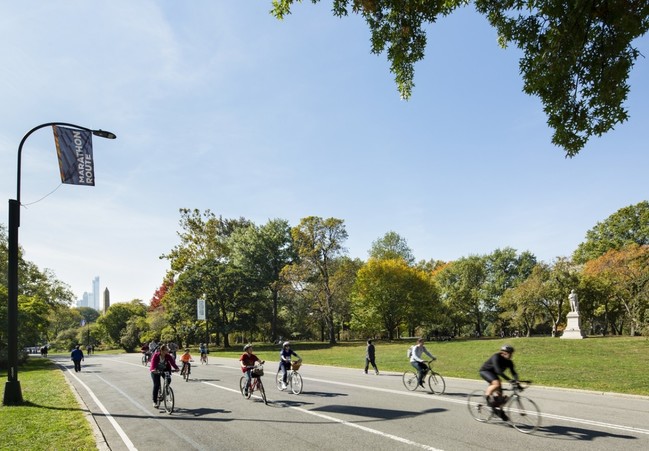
(50, 417)
(610, 364)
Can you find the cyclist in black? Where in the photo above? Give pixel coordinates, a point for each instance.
(492, 370)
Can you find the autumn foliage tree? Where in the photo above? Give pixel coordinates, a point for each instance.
(623, 278)
(156, 300)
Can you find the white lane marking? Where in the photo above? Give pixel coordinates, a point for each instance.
(442, 398)
(618, 427)
(366, 429)
(148, 413)
(117, 427)
(340, 421)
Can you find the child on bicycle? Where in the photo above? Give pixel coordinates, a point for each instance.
(145, 350)
(285, 361)
(248, 361)
(417, 362)
(160, 362)
(203, 350)
(185, 359)
(492, 370)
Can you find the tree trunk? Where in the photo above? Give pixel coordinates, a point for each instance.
(332, 332)
(273, 321)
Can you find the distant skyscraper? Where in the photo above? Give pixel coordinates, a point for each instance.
(106, 299)
(83, 302)
(96, 294)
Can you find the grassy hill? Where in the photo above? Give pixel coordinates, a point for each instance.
(606, 364)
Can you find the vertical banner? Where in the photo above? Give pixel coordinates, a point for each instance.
(74, 149)
(200, 309)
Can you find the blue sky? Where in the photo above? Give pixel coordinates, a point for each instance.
(218, 105)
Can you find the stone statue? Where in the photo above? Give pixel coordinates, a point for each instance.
(574, 303)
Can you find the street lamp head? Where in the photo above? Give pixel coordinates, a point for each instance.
(104, 134)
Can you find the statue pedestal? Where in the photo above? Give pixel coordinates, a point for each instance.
(572, 330)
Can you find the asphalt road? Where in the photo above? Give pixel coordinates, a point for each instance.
(339, 409)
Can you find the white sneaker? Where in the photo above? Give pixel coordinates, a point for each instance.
(284, 386)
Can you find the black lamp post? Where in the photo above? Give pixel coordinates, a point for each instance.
(13, 394)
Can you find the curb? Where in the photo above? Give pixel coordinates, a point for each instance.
(100, 440)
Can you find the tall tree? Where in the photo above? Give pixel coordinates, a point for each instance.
(520, 305)
(624, 274)
(159, 294)
(38, 293)
(205, 245)
(202, 235)
(391, 246)
(114, 321)
(576, 55)
(389, 293)
(262, 253)
(556, 282)
(626, 226)
(461, 289)
(319, 242)
(504, 269)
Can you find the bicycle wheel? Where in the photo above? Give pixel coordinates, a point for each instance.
(262, 392)
(144, 360)
(436, 383)
(524, 414)
(410, 380)
(186, 374)
(296, 383)
(478, 407)
(278, 380)
(169, 399)
(242, 387)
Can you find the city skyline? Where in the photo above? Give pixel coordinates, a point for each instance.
(94, 295)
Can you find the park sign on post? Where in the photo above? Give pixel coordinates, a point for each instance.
(74, 149)
(200, 309)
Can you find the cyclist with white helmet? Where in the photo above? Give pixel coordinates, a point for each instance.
(285, 361)
(493, 369)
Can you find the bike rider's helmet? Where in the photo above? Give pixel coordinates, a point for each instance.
(246, 347)
(507, 348)
(286, 343)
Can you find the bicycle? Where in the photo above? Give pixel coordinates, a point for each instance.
(186, 371)
(204, 358)
(256, 372)
(435, 381)
(519, 411)
(146, 357)
(166, 393)
(293, 377)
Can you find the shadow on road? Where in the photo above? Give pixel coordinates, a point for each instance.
(322, 394)
(384, 414)
(199, 412)
(578, 434)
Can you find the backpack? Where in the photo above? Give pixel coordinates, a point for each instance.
(410, 352)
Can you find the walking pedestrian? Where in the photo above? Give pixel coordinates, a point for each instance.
(77, 356)
(370, 357)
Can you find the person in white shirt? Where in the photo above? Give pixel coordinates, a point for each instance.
(416, 361)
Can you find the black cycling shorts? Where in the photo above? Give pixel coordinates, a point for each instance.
(489, 376)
